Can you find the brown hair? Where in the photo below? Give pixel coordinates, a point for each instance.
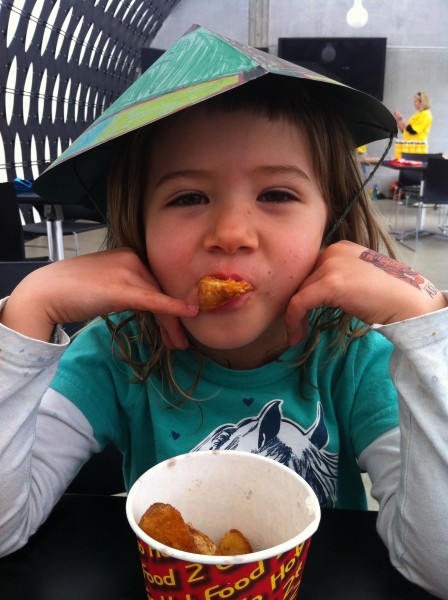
(335, 166)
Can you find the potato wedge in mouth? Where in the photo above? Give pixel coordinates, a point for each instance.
(214, 292)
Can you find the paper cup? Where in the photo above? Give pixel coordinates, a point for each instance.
(216, 491)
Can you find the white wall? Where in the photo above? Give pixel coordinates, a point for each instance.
(417, 44)
(227, 17)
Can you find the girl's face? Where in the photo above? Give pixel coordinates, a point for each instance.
(417, 103)
(233, 195)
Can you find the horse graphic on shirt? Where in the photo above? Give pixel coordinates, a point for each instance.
(271, 434)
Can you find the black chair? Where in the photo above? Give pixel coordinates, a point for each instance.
(12, 273)
(409, 183)
(28, 213)
(408, 198)
(435, 191)
(77, 219)
(12, 243)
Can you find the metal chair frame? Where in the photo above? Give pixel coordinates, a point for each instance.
(413, 186)
(76, 220)
(435, 193)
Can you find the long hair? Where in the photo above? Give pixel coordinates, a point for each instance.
(335, 166)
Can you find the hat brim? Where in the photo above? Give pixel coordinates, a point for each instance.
(200, 65)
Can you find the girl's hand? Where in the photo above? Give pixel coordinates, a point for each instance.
(366, 284)
(77, 289)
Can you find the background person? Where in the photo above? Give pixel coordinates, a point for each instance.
(417, 127)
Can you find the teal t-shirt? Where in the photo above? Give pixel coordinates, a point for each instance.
(318, 425)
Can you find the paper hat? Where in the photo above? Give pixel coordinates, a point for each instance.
(201, 64)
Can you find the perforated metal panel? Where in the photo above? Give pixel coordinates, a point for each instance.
(62, 63)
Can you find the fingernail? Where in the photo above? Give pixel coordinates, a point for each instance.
(193, 309)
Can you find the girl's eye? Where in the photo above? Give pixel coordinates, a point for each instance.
(190, 199)
(277, 197)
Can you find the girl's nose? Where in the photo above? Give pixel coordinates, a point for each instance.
(232, 229)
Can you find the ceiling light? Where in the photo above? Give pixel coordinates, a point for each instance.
(357, 16)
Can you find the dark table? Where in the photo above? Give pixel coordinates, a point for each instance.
(395, 165)
(406, 164)
(87, 551)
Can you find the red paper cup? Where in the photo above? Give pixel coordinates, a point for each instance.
(216, 491)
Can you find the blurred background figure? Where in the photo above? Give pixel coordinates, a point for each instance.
(417, 127)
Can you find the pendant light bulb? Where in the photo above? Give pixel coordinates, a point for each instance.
(357, 16)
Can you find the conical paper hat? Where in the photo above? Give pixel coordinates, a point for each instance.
(198, 66)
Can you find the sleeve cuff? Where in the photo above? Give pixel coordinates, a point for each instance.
(22, 349)
(419, 331)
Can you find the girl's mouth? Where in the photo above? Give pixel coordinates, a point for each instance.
(215, 292)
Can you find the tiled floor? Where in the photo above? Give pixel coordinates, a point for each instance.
(89, 241)
(427, 255)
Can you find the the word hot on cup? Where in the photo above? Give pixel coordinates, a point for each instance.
(216, 491)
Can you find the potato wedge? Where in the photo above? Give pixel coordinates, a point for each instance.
(214, 292)
(234, 542)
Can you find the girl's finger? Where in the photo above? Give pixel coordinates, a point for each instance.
(151, 300)
(172, 332)
(296, 320)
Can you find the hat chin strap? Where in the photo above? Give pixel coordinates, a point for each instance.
(349, 206)
(95, 204)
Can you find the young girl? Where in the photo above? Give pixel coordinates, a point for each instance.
(260, 184)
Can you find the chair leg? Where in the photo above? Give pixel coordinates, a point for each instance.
(420, 210)
(442, 218)
(75, 242)
(401, 233)
(404, 212)
(395, 199)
